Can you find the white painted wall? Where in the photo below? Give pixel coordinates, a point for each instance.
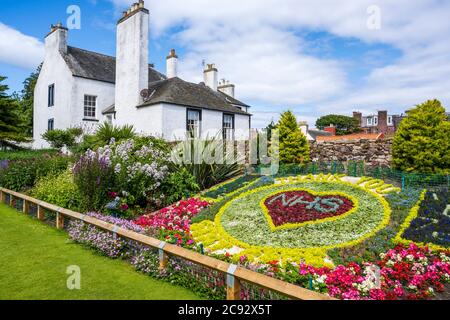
(131, 65)
(54, 71)
(105, 97)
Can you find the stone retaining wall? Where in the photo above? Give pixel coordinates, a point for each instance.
(373, 153)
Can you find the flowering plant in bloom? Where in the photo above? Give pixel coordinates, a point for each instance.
(134, 169)
(174, 218)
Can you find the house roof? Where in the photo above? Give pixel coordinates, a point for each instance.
(180, 92)
(351, 137)
(110, 110)
(319, 133)
(96, 66)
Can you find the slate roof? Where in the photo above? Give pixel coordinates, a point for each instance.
(96, 66)
(319, 133)
(180, 92)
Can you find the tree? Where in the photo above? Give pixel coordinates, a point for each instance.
(293, 145)
(344, 125)
(422, 142)
(10, 122)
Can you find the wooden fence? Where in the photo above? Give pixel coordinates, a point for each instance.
(235, 274)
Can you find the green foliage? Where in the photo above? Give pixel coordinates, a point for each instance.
(22, 175)
(293, 145)
(10, 123)
(344, 125)
(62, 138)
(26, 102)
(105, 134)
(422, 142)
(59, 190)
(26, 154)
(208, 173)
(178, 185)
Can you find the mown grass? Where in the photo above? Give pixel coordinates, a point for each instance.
(25, 154)
(34, 259)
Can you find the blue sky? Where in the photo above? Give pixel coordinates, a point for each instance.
(312, 58)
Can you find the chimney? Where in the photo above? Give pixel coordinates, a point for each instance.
(358, 116)
(226, 87)
(131, 61)
(382, 122)
(56, 40)
(172, 64)
(304, 127)
(210, 76)
(331, 129)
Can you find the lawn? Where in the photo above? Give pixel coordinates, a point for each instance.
(35, 257)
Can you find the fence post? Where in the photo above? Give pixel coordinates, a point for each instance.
(26, 206)
(11, 200)
(2, 196)
(403, 181)
(59, 220)
(40, 213)
(233, 284)
(163, 257)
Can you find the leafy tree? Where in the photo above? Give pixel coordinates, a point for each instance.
(344, 125)
(293, 145)
(10, 123)
(422, 142)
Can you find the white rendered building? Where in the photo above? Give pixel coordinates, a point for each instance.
(79, 88)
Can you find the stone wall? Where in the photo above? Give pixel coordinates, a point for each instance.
(373, 153)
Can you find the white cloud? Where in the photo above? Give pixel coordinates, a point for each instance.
(19, 49)
(258, 45)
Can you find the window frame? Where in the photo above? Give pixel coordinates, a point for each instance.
(233, 127)
(188, 132)
(390, 120)
(51, 95)
(52, 122)
(86, 115)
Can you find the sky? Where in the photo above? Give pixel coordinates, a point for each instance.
(312, 57)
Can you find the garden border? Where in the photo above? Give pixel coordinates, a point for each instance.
(166, 250)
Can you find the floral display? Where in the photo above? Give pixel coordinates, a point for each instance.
(428, 223)
(299, 206)
(242, 226)
(174, 218)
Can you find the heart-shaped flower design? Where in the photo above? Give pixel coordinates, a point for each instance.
(296, 207)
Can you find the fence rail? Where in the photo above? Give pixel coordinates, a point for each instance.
(235, 274)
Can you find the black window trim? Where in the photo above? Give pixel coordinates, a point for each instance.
(233, 124)
(51, 95)
(199, 125)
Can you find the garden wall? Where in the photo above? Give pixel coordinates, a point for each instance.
(373, 153)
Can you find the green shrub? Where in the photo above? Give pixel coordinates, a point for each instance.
(178, 185)
(422, 142)
(293, 145)
(22, 175)
(104, 135)
(60, 138)
(26, 154)
(59, 190)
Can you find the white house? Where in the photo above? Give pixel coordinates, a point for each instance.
(79, 88)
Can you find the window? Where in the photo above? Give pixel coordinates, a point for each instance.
(369, 121)
(51, 95)
(389, 121)
(90, 103)
(193, 123)
(375, 121)
(51, 124)
(228, 127)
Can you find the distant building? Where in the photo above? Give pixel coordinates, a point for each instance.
(314, 134)
(380, 123)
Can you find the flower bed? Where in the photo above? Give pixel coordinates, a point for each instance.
(429, 222)
(243, 226)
